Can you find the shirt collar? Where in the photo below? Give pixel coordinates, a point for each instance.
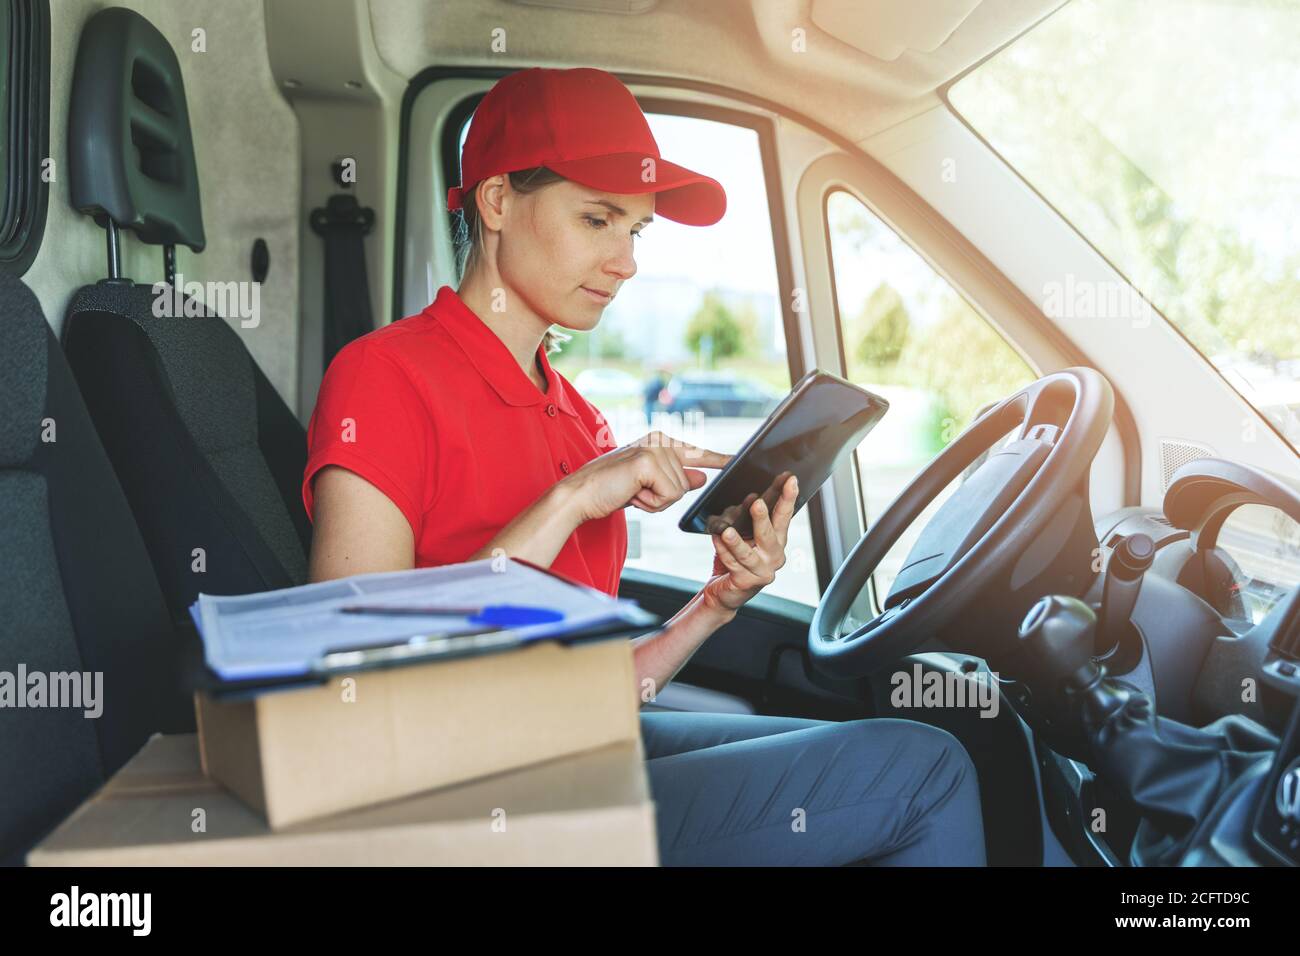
(493, 359)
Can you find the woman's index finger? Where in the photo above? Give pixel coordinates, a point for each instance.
(700, 457)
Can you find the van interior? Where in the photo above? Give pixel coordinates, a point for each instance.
(1066, 257)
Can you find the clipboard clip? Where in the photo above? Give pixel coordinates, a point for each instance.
(419, 647)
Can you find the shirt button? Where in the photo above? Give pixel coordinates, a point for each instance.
(564, 467)
(550, 410)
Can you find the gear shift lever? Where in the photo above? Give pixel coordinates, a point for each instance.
(1174, 774)
(1058, 634)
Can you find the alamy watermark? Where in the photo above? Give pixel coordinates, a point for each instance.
(130, 910)
(930, 688)
(77, 690)
(233, 300)
(1077, 298)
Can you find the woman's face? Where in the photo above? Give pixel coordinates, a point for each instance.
(565, 244)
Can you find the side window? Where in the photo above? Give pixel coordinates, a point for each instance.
(24, 129)
(910, 337)
(694, 345)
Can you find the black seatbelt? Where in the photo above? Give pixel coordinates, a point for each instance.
(344, 223)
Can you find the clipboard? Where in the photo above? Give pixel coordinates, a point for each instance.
(633, 621)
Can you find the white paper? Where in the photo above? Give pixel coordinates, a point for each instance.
(282, 633)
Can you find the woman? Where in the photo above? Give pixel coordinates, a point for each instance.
(447, 437)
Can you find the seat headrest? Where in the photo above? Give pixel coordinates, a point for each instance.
(130, 150)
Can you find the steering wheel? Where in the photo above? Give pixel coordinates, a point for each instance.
(979, 533)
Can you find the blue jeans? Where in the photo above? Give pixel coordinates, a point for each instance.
(744, 790)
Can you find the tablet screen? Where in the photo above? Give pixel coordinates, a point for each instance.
(819, 422)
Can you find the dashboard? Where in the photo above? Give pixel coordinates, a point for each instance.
(1216, 628)
(1226, 570)
(1236, 548)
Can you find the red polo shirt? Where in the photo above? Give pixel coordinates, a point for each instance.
(435, 412)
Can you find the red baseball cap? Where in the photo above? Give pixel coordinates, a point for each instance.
(587, 126)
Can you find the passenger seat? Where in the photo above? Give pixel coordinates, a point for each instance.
(210, 457)
(77, 593)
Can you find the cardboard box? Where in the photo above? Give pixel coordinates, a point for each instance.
(159, 810)
(383, 734)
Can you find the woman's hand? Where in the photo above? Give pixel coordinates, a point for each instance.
(651, 473)
(743, 567)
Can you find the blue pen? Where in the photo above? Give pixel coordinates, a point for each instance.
(496, 615)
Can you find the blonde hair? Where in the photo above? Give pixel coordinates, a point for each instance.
(469, 234)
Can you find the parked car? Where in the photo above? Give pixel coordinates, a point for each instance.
(718, 396)
(597, 383)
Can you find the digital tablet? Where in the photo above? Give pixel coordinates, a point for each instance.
(807, 435)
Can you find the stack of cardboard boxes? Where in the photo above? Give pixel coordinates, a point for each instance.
(527, 757)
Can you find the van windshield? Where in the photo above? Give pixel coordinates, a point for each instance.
(1167, 133)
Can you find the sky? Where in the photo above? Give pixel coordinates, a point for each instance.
(735, 252)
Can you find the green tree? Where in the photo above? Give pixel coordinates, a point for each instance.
(964, 361)
(881, 328)
(585, 348)
(610, 344)
(715, 331)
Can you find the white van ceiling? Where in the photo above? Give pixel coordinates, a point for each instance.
(857, 66)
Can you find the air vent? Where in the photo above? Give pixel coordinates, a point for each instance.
(1174, 453)
(1286, 644)
(1286, 639)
